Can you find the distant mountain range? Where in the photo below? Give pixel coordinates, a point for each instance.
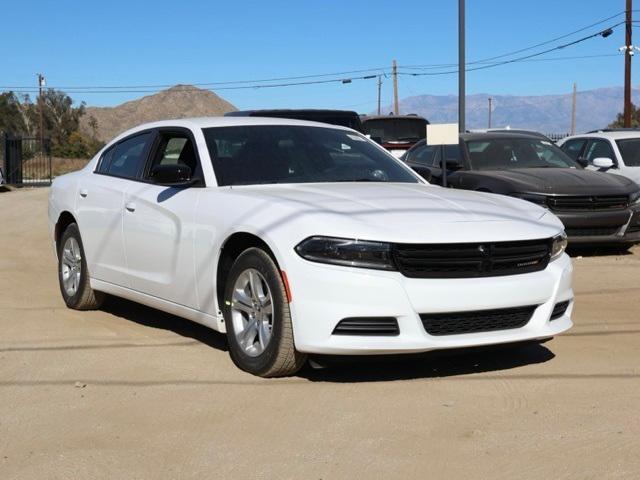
(545, 113)
(179, 101)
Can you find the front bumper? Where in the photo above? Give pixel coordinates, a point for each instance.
(613, 227)
(323, 295)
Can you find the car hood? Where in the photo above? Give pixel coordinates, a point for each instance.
(397, 212)
(560, 181)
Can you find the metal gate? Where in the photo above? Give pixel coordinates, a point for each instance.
(27, 161)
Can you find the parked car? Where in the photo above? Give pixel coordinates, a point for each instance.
(611, 151)
(595, 208)
(297, 238)
(344, 118)
(396, 133)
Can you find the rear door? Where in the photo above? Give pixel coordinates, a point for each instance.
(100, 205)
(159, 224)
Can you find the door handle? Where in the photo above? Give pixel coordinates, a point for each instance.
(83, 192)
(130, 206)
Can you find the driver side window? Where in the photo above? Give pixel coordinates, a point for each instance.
(176, 149)
(598, 149)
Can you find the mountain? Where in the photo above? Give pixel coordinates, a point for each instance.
(545, 113)
(179, 101)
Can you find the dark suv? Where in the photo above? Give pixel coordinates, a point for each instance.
(595, 207)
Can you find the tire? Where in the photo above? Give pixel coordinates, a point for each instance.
(260, 336)
(77, 293)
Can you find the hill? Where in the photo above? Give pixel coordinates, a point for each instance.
(546, 113)
(179, 101)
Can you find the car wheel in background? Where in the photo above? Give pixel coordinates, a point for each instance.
(73, 274)
(258, 319)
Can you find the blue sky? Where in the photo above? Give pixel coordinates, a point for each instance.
(115, 43)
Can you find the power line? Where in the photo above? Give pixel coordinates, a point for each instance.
(231, 82)
(604, 33)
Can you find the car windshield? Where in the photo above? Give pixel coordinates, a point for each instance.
(263, 154)
(395, 129)
(630, 151)
(511, 153)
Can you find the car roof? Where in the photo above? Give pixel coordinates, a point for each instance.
(501, 134)
(366, 118)
(284, 111)
(613, 134)
(207, 122)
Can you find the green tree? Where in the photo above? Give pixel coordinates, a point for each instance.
(635, 119)
(11, 117)
(59, 117)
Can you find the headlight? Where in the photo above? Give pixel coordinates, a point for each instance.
(347, 252)
(634, 198)
(558, 245)
(532, 197)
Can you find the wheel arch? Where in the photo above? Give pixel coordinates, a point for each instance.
(231, 248)
(65, 219)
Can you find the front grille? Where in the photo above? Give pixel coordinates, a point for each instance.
(559, 309)
(456, 323)
(465, 260)
(372, 326)
(587, 232)
(591, 202)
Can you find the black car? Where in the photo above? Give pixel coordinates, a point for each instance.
(344, 118)
(595, 207)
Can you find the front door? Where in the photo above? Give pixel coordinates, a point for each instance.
(159, 226)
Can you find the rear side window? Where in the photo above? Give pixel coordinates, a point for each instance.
(105, 160)
(128, 156)
(573, 147)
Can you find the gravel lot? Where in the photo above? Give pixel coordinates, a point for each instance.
(130, 392)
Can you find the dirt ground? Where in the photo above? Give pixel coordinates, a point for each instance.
(130, 392)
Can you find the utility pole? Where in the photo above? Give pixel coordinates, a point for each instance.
(627, 66)
(379, 91)
(461, 66)
(490, 100)
(394, 70)
(573, 108)
(41, 84)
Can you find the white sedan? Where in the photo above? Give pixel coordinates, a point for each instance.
(298, 237)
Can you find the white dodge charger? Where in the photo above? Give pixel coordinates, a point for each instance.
(298, 237)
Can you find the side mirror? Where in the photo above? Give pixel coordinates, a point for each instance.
(602, 162)
(172, 175)
(424, 172)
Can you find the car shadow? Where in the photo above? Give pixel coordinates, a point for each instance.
(354, 369)
(437, 364)
(150, 317)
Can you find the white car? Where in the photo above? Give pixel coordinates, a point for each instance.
(297, 237)
(612, 151)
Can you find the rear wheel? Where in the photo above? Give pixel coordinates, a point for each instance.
(73, 275)
(257, 316)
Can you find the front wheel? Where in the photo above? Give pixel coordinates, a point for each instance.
(73, 274)
(258, 319)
